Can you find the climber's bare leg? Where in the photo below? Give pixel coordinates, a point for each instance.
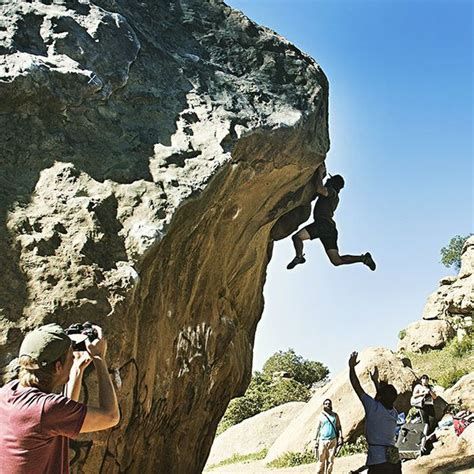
(337, 259)
(298, 239)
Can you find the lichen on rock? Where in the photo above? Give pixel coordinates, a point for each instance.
(150, 154)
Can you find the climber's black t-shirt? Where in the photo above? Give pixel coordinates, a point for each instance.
(326, 205)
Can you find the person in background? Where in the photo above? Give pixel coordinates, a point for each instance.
(328, 438)
(380, 424)
(423, 398)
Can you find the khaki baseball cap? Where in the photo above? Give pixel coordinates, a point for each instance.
(45, 344)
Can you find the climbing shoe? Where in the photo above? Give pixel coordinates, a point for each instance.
(296, 261)
(369, 261)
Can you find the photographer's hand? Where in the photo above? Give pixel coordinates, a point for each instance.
(98, 347)
(73, 387)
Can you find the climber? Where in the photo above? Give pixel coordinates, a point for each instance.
(324, 227)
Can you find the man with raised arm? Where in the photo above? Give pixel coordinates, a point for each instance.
(324, 226)
(380, 423)
(36, 423)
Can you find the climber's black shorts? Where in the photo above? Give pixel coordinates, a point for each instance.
(326, 231)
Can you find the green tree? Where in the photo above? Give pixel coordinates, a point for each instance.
(451, 254)
(304, 371)
(266, 391)
(284, 391)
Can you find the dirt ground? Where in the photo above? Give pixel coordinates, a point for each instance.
(341, 465)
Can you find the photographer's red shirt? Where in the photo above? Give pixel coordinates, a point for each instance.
(35, 428)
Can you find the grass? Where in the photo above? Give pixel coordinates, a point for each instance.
(348, 449)
(236, 458)
(446, 366)
(292, 459)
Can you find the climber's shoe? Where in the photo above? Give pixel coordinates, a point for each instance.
(296, 261)
(369, 261)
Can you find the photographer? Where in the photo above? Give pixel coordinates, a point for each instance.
(35, 422)
(423, 398)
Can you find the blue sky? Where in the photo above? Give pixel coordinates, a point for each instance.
(401, 126)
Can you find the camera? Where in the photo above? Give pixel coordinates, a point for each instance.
(79, 333)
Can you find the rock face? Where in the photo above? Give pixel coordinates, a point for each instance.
(255, 433)
(300, 433)
(462, 394)
(150, 154)
(426, 334)
(454, 297)
(448, 311)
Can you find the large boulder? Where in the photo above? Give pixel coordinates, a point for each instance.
(300, 433)
(462, 393)
(151, 152)
(426, 334)
(254, 434)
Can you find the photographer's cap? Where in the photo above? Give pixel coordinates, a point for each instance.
(45, 344)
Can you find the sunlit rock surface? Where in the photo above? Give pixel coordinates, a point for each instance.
(447, 312)
(150, 153)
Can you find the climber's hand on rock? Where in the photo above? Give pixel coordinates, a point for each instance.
(322, 170)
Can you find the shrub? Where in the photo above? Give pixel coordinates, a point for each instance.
(463, 347)
(292, 459)
(348, 449)
(451, 377)
(402, 334)
(451, 254)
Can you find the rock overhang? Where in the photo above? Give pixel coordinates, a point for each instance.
(160, 144)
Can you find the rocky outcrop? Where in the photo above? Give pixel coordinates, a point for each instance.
(451, 454)
(424, 335)
(462, 394)
(454, 297)
(447, 312)
(300, 433)
(150, 154)
(254, 434)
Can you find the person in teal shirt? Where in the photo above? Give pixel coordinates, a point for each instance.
(328, 438)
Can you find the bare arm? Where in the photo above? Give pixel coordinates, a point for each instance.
(74, 384)
(374, 376)
(107, 413)
(416, 391)
(318, 429)
(322, 190)
(339, 429)
(318, 180)
(353, 376)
